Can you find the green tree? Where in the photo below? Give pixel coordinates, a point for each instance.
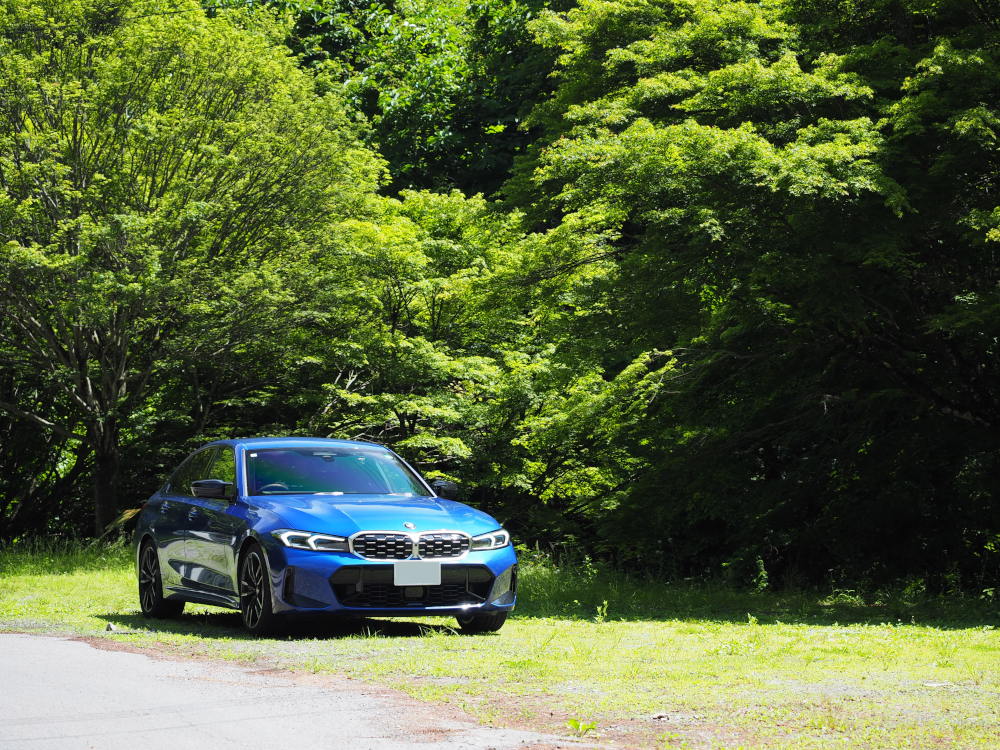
(446, 85)
(797, 203)
(420, 351)
(157, 172)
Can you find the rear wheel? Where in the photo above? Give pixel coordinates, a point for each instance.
(255, 593)
(151, 586)
(490, 622)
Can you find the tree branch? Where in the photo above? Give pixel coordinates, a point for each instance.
(68, 434)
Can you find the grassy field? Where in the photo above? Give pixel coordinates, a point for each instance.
(619, 661)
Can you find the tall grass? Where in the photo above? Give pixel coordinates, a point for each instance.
(54, 556)
(582, 589)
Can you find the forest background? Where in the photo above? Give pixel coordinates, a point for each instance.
(694, 287)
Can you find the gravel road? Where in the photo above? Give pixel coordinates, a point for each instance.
(66, 694)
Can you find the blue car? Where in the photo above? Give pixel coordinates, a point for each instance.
(276, 526)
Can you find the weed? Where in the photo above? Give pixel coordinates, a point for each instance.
(946, 654)
(844, 597)
(826, 720)
(581, 728)
(761, 579)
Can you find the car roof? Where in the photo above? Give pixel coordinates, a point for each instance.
(292, 442)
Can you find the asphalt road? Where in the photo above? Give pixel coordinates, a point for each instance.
(66, 694)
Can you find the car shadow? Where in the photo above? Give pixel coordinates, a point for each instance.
(298, 627)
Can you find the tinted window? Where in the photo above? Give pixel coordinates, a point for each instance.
(223, 466)
(340, 471)
(187, 472)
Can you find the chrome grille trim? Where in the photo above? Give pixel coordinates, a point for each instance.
(382, 546)
(442, 545)
(439, 544)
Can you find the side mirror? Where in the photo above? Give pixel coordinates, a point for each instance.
(445, 488)
(212, 488)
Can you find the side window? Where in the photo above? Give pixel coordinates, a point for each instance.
(223, 467)
(187, 472)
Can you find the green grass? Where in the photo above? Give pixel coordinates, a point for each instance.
(602, 656)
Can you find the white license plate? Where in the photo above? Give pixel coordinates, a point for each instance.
(416, 573)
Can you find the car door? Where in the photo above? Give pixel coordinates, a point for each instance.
(217, 525)
(174, 520)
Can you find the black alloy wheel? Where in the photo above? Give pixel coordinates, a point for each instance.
(255, 593)
(151, 599)
(490, 622)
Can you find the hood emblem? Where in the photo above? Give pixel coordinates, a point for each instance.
(408, 525)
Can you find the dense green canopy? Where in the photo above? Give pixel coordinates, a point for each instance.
(729, 306)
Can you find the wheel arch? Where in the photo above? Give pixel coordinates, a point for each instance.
(249, 541)
(146, 537)
(252, 540)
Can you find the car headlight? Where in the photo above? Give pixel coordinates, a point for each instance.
(493, 540)
(308, 540)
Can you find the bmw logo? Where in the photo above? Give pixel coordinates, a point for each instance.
(408, 525)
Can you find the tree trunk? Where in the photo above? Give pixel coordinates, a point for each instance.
(106, 474)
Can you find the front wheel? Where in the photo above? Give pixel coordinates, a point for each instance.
(490, 622)
(151, 586)
(255, 593)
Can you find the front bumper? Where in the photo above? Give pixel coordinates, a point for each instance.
(339, 582)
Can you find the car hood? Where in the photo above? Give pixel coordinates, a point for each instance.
(344, 515)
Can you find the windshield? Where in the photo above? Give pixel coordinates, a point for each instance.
(340, 470)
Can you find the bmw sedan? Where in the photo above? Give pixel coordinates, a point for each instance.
(276, 526)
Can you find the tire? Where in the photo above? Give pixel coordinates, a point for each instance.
(486, 623)
(255, 593)
(151, 600)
